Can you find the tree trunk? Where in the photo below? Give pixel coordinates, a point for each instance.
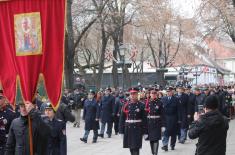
(69, 49)
(114, 70)
(102, 57)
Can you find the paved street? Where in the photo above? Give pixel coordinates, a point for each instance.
(113, 146)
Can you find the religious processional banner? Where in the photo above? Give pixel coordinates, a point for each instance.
(32, 47)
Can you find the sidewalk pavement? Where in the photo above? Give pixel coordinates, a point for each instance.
(113, 146)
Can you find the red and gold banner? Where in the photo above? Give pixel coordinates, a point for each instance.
(32, 47)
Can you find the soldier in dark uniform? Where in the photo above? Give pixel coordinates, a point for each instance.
(183, 110)
(6, 117)
(133, 123)
(119, 102)
(172, 115)
(155, 117)
(191, 103)
(106, 106)
(91, 117)
(57, 136)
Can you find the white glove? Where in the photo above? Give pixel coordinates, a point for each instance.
(4, 121)
(145, 136)
(163, 129)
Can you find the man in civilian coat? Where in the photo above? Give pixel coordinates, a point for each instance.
(183, 110)
(91, 117)
(119, 102)
(106, 108)
(191, 103)
(172, 115)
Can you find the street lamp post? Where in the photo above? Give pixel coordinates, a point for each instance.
(196, 73)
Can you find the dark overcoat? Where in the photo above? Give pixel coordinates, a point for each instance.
(90, 114)
(107, 109)
(156, 119)
(183, 110)
(133, 132)
(172, 115)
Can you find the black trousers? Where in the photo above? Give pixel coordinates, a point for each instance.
(154, 147)
(135, 151)
(116, 124)
(2, 149)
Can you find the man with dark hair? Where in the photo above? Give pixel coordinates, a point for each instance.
(30, 123)
(171, 108)
(191, 103)
(107, 112)
(211, 129)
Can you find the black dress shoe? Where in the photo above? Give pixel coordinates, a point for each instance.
(109, 136)
(101, 135)
(165, 148)
(172, 148)
(83, 140)
(94, 141)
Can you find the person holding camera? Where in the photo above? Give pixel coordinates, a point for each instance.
(211, 128)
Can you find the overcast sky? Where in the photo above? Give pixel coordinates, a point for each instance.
(185, 8)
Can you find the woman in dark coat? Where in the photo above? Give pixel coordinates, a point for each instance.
(154, 109)
(91, 117)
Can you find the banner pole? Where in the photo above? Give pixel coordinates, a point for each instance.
(30, 136)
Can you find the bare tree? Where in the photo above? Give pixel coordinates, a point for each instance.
(76, 29)
(163, 33)
(218, 17)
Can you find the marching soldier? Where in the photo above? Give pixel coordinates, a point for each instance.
(57, 136)
(155, 115)
(133, 123)
(172, 115)
(91, 117)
